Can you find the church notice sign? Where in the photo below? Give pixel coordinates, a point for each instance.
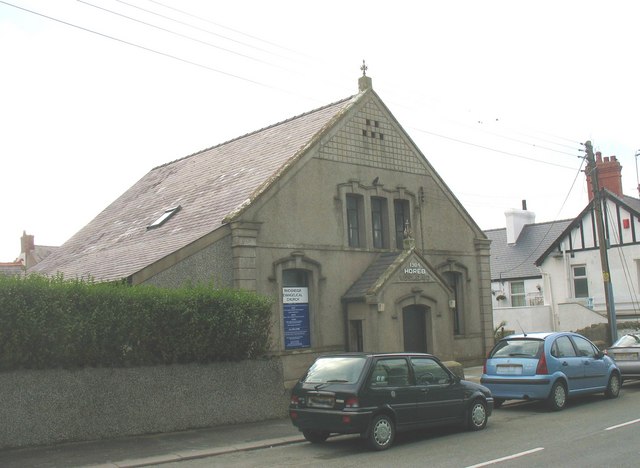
(295, 303)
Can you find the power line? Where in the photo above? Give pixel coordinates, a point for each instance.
(194, 27)
(534, 250)
(532, 144)
(528, 143)
(625, 268)
(225, 27)
(574, 142)
(299, 53)
(492, 149)
(175, 33)
(148, 49)
(175, 57)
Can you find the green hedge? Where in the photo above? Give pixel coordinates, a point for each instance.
(51, 322)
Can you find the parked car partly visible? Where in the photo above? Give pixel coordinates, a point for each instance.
(626, 352)
(550, 367)
(376, 395)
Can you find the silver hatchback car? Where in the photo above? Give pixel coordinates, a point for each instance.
(626, 352)
(550, 367)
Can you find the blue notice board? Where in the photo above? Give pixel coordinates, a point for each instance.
(296, 318)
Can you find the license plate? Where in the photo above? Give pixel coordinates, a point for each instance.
(509, 370)
(320, 401)
(626, 356)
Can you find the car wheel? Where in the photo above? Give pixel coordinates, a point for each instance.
(497, 402)
(558, 396)
(477, 418)
(381, 433)
(315, 437)
(613, 387)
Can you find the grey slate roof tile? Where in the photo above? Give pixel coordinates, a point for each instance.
(368, 279)
(511, 261)
(208, 185)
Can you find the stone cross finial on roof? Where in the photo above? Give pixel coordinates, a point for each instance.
(364, 82)
(364, 68)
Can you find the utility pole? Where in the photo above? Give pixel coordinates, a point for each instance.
(637, 177)
(592, 171)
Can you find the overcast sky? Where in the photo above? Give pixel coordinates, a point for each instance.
(498, 95)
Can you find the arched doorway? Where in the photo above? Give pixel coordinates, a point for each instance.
(414, 328)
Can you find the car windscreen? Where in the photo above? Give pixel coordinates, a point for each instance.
(339, 369)
(627, 340)
(519, 347)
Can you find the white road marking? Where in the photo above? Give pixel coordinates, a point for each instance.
(621, 425)
(510, 457)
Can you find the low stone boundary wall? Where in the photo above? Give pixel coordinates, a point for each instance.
(51, 406)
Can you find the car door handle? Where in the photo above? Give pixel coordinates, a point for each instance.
(424, 389)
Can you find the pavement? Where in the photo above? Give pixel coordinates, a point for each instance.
(157, 449)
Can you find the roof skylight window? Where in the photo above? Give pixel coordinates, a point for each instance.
(164, 217)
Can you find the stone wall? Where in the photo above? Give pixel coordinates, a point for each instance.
(40, 407)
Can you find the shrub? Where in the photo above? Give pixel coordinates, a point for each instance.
(51, 322)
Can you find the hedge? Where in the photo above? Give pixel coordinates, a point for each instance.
(52, 322)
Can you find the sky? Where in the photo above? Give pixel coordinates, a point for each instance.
(498, 95)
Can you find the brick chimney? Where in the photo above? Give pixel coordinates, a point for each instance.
(27, 246)
(609, 175)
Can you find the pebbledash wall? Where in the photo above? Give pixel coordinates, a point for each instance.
(40, 407)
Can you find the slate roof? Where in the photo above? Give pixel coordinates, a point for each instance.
(210, 187)
(511, 261)
(633, 203)
(41, 252)
(368, 279)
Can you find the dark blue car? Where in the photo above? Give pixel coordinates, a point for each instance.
(377, 395)
(550, 367)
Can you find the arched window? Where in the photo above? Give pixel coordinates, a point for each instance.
(355, 222)
(297, 281)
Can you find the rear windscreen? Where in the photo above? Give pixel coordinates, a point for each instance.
(343, 369)
(527, 348)
(627, 340)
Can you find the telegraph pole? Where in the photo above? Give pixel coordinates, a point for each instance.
(592, 171)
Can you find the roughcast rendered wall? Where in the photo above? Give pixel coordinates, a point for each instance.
(40, 407)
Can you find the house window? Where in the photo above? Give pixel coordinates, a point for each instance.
(379, 222)
(517, 294)
(354, 220)
(402, 219)
(580, 284)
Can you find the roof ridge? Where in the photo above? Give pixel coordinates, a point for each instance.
(531, 224)
(257, 131)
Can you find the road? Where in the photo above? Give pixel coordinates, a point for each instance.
(591, 432)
